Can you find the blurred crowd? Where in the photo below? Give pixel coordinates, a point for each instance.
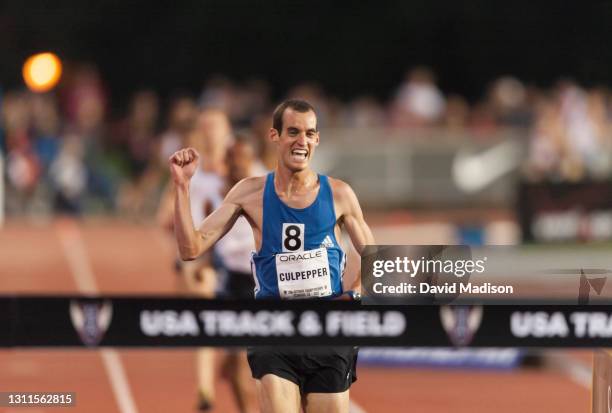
(74, 151)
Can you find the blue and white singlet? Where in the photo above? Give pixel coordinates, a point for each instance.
(299, 256)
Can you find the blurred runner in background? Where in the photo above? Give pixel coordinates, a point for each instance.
(234, 251)
(211, 135)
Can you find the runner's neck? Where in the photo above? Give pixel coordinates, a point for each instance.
(217, 168)
(288, 183)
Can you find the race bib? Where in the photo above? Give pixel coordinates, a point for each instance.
(303, 274)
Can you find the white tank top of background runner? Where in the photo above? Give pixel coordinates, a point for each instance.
(236, 247)
(205, 189)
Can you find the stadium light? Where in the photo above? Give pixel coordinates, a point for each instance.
(42, 72)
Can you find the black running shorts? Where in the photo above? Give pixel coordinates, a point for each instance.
(239, 286)
(314, 370)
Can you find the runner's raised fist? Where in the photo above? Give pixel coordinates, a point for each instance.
(183, 164)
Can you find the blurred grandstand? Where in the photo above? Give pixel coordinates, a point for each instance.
(67, 152)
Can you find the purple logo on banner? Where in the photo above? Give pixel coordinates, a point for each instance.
(461, 322)
(91, 319)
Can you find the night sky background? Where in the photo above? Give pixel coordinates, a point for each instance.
(350, 48)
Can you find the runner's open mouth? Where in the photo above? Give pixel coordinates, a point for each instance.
(299, 154)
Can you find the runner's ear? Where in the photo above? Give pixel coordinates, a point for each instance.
(274, 135)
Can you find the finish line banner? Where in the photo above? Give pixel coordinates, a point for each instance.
(31, 321)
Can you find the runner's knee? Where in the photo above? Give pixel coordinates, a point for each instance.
(278, 395)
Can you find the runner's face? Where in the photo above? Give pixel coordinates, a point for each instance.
(215, 130)
(240, 159)
(298, 139)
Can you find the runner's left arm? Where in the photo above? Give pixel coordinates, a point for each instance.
(354, 222)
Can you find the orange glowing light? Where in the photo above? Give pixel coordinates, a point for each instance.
(42, 71)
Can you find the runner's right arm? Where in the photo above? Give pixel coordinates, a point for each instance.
(194, 242)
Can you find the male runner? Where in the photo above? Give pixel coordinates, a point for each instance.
(293, 213)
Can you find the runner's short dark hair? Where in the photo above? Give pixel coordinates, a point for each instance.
(298, 105)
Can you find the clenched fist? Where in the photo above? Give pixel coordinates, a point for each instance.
(183, 164)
